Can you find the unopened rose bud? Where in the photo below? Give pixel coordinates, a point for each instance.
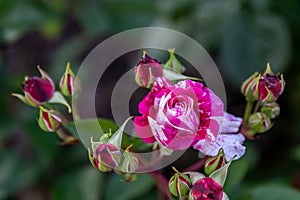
(49, 120)
(179, 184)
(215, 162)
(68, 82)
(272, 110)
(205, 189)
(259, 123)
(37, 90)
(129, 162)
(247, 87)
(173, 63)
(147, 70)
(106, 157)
(265, 87)
(269, 86)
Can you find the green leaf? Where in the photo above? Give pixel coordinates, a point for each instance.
(174, 76)
(60, 99)
(239, 168)
(116, 139)
(273, 192)
(138, 145)
(220, 174)
(84, 183)
(118, 190)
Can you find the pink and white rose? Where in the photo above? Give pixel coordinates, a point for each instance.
(178, 116)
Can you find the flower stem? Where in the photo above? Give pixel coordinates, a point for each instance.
(247, 112)
(162, 185)
(198, 165)
(256, 107)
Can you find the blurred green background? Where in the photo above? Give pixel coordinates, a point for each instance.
(240, 35)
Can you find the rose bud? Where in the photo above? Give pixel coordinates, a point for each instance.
(147, 70)
(215, 162)
(268, 86)
(129, 162)
(68, 82)
(272, 110)
(206, 189)
(248, 85)
(49, 120)
(173, 63)
(258, 123)
(179, 184)
(106, 157)
(37, 90)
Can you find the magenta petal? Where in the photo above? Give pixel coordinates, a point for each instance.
(39, 89)
(143, 129)
(207, 189)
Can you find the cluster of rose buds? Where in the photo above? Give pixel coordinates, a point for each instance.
(107, 154)
(197, 186)
(261, 92)
(40, 92)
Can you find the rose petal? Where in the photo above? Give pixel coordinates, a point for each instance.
(143, 129)
(231, 144)
(231, 123)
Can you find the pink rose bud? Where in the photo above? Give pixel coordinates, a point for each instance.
(272, 110)
(147, 70)
(206, 189)
(173, 63)
(258, 123)
(37, 90)
(49, 120)
(265, 87)
(106, 157)
(68, 82)
(179, 184)
(248, 86)
(215, 162)
(268, 87)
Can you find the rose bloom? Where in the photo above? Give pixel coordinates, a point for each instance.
(178, 116)
(206, 189)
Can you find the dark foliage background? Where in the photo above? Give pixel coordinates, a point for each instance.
(241, 36)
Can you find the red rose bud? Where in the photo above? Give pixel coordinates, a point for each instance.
(68, 82)
(49, 120)
(258, 123)
(173, 63)
(215, 162)
(147, 70)
(269, 86)
(248, 86)
(206, 189)
(129, 162)
(272, 110)
(107, 157)
(37, 90)
(179, 184)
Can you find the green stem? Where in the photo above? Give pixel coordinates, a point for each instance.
(162, 185)
(256, 107)
(197, 166)
(247, 112)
